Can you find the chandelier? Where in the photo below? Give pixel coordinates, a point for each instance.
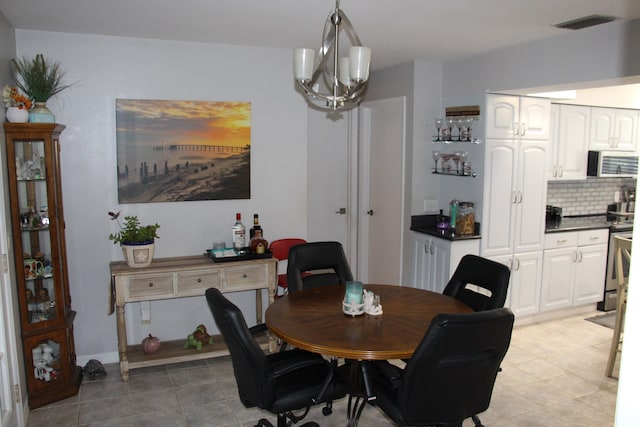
(342, 79)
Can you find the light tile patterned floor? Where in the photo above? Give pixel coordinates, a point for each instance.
(553, 375)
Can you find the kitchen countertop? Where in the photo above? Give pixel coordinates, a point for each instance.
(591, 222)
(426, 224)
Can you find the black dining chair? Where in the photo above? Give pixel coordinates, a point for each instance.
(280, 382)
(317, 264)
(479, 282)
(451, 375)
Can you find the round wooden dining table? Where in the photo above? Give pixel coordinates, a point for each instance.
(313, 320)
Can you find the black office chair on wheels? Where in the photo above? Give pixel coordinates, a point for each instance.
(317, 264)
(280, 382)
(490, 277)
(451, 375)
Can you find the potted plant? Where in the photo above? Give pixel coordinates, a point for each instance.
(39, 80)
(137, 241)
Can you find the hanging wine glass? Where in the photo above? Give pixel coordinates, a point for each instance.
(468, 125)
(456, 158)
(447, 131)
(464, 158)
(436, 156)
(439, 123)
(460, 124)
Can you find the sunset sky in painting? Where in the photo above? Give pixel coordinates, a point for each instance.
(161, 122)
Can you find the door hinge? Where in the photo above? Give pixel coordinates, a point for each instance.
(16, 389)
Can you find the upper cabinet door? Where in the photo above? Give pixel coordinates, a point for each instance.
(534, 118)
(502, 116)
(625, 127)
(510, 117)
(573, 142)
(613, 129)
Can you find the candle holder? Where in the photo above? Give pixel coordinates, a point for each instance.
(353, 303)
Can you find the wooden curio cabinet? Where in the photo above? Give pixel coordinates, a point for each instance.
(46, 317)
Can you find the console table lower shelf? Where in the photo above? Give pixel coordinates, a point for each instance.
(174, 352)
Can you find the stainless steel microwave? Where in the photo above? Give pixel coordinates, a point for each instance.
(612, 164)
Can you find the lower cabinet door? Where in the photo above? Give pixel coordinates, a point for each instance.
(590, 274)
(558, 278)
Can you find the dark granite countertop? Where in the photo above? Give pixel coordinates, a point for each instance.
(426, 224)
(577, 223)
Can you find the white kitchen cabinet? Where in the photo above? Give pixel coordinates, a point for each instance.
(569, 142)
(613, 129)
(522, 117)
(523, 297)
(515, 190)
(574, 268)
(435, 259)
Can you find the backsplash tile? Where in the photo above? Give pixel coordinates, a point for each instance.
(585, 197)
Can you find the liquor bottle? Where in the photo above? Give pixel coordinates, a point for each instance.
(256, 226)
(238, 233)
(258, 245)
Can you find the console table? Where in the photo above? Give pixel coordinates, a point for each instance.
(178, 277)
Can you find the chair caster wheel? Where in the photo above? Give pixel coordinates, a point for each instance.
(326, 411)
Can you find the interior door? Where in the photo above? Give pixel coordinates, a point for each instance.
(381, 190)
(329, 209)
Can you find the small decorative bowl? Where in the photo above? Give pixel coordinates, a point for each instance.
(352, 309)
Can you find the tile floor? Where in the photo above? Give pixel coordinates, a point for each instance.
(553, 374)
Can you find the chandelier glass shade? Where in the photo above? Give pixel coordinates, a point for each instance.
(339, 81)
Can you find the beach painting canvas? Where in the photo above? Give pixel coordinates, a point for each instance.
(171, 151)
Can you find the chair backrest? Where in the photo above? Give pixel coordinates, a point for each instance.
(451, 375)
(328, 257)
(623, 256)
(280, 248)
(491, 277)
(249, 361)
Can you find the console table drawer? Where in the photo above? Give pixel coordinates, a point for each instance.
(196, 282)
(246, 277)
(149, 286)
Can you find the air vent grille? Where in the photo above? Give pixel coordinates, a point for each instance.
(584, 22)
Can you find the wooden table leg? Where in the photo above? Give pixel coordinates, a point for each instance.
(122, 342)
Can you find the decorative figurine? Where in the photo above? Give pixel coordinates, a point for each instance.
(198, 338)
(94, 369)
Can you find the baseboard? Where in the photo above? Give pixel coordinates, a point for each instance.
(554, 314)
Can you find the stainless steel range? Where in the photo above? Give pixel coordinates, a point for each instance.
(621, 225)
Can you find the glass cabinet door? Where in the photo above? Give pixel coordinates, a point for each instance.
(38, 234)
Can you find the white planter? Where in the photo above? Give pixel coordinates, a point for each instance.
(17, 115)
(138, 255)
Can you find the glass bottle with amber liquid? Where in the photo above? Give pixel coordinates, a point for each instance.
(256, 226)
(258, 244)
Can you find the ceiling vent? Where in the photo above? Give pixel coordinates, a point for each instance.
(584, 22)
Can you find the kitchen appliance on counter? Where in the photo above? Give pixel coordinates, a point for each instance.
(621, 224)
(553, 214)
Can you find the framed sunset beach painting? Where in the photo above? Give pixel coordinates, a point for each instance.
(172, 151)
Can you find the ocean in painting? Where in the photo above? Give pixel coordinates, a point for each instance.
(182, 150)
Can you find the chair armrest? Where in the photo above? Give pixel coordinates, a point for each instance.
(391, 372)
(285, 362)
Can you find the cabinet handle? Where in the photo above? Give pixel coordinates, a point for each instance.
(561, 171)
(515, 128)
(523, 129)
(517, 263)
(575, 256)
(579, 256)
(514, 197)
(594, 237)
(431, 248)
(519, 197)
(561, 241)
(426, 248)
(555, 171)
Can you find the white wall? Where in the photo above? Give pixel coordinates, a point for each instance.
(110, 67)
